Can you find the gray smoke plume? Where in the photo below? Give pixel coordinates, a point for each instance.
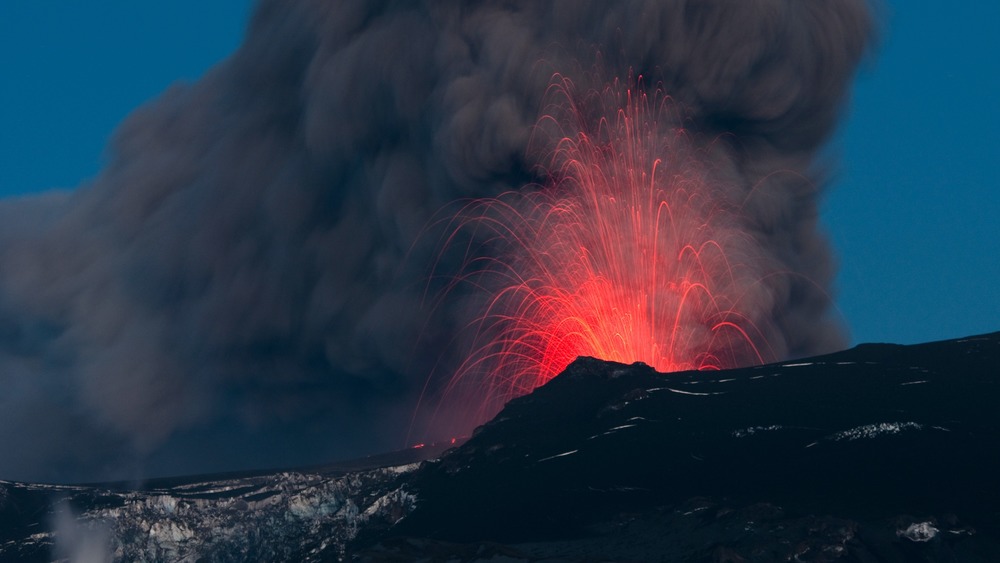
(243, 284)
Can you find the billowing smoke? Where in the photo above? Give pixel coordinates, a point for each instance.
(245, 282)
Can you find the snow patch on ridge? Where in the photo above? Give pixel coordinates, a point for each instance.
(918, 532)
(571, 452)
(744, 432)
(875, 430)
(251, 518)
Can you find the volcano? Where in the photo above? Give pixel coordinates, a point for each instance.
(878, 453)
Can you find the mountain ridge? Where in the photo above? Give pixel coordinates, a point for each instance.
(877, 453)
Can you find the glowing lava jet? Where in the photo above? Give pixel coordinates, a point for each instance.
(632, 252)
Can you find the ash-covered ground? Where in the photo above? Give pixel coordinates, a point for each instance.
(878, 453)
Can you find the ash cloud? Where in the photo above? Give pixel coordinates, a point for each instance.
(244, 282)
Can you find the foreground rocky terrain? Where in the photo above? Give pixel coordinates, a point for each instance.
(878, 453)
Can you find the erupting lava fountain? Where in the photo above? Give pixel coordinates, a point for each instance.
(631, 252)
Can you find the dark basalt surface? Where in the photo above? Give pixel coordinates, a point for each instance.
(878, 453)
(858, 455)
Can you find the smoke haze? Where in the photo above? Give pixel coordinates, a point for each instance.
(243, 284)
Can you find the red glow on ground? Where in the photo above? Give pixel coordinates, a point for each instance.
(625, 256)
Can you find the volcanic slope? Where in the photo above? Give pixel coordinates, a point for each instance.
(878, 453)
(881, 452)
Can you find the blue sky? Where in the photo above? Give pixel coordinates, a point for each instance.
(913, 209)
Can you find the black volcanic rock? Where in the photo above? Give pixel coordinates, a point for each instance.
(879, 453)
(856, 446)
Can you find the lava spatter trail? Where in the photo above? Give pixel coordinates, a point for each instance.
(632, 251)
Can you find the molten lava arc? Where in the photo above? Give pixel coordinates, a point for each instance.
(632, 251)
